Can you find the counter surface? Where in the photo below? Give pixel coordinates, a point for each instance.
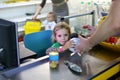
(92, 63)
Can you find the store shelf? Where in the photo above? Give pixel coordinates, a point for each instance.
(17, 12)
(22, 19)
(18, 4)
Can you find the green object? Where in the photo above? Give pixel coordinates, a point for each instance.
(55, 45)
(82, 2)
(89, 3)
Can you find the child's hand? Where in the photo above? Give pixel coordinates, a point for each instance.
(69, 44)
(51, 49)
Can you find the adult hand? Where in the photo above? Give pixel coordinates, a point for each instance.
(34, 17)
(84, 45)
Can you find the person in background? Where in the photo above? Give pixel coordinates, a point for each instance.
(110, 27)
(60, 8)
(49, 23)
(61, 38)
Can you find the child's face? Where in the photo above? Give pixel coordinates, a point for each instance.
(62, 36)
(50, 17)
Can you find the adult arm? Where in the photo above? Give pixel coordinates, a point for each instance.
(39, 8)
(110, 27)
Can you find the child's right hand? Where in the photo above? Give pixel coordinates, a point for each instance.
(69, 44)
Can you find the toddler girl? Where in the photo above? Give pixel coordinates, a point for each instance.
(61, 38)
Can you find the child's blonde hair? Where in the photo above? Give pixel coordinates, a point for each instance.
(58, 26)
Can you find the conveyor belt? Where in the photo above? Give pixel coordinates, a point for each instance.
(106, 54)
(112, 58)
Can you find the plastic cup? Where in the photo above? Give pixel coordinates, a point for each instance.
(54, 59)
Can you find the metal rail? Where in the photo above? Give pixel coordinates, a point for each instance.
(62, 18)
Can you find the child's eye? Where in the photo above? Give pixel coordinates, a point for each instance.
(65, 34)
(59, 35)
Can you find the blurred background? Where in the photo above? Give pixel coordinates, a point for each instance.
(21, 10)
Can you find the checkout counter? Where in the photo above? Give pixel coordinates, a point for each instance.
(98, 64)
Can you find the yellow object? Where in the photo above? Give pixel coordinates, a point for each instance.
(53, 53)
(53, 64)
(111, 46)
(108, 73)
(21, 0)
(14, 1)
(32, 26)
(101, 21)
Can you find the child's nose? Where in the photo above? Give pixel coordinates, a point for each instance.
(63, 37)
